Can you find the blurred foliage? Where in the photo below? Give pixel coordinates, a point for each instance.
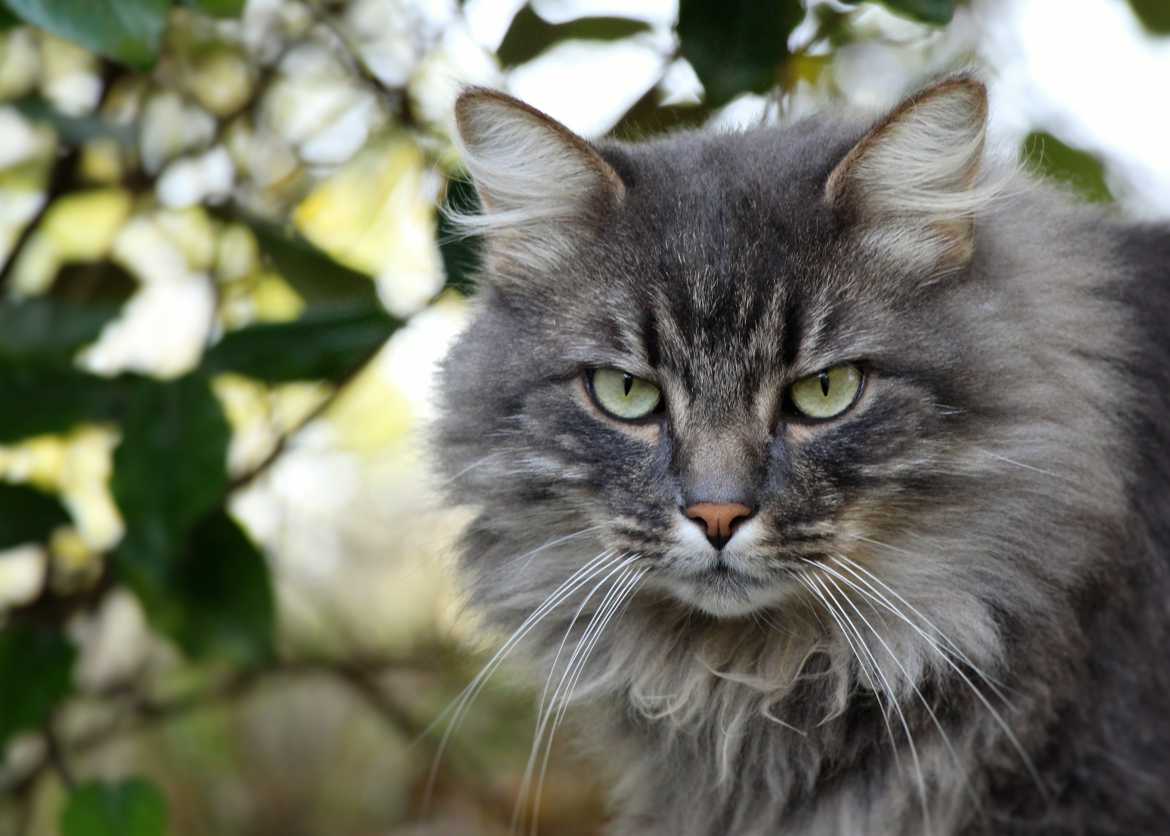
(1154, 15)
(1080, 170)
(125, 30)
(737, 46)
(131, 808)
(259, 184)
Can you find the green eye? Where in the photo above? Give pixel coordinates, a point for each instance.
(827, 394)
(622, 395)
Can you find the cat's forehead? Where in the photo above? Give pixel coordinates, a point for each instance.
(723, 250)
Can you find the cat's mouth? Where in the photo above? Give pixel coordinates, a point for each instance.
(722, 590)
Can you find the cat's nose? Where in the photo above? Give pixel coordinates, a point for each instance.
(718, 519)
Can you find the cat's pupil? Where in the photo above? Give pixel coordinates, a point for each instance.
(824, 379)
(627, 383)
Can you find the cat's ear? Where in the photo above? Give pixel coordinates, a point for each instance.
(531, 172)
(914, 181)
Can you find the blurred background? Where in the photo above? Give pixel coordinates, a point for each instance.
(225, 595)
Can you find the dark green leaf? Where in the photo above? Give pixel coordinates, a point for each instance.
(28, 515)
(7, 19)
(460, 259)
(327, 343)
(1082, 171)
(48, 399)
(530, 34)
(217, 8)
(1154, 15)
(130, 808)
(44, 330)
(312, 273)
(647, 117)
(169, 472)
(36, 673)
(128, 31)
(924, 11)
(222, 590)
(736, 46)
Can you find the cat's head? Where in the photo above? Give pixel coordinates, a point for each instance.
(741, 354)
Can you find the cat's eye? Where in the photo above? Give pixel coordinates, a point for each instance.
(623, 396)
(827, 393)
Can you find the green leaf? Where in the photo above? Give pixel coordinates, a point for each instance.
(460, 259)
(200, 579)
(28, 515)
(45, 399)
(736, 46)
(312, 273)
(647, 117)
(130, 808)
(223, 593)
(217, 8)
(1082, 171)
(1154, 15)
(530, 34)
(44, 330)
(326, 343)
(169, 472)
(128, 31)
(924, 11)
(36, 674)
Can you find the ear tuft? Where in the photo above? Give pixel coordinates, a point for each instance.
(528, 168)
(916, 175)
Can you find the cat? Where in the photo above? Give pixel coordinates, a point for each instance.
(823, 470)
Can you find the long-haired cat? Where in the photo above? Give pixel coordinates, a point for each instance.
(824, 471)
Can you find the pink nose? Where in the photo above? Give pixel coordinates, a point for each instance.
(718, 519)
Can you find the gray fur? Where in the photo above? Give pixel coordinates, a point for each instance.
(1003, 484)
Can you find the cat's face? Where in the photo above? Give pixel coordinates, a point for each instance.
(724, 354)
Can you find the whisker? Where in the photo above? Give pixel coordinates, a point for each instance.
(1024, 465)
(807, 579)
(917, 691)
(1008, 733)
(892, 695)
(556, 542)
(604, 615)
(462, 702)
(543, 714)
(854, 567)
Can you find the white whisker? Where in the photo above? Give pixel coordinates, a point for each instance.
(462, 702)
(1008, 733)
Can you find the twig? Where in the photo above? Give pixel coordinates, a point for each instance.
(55, 757)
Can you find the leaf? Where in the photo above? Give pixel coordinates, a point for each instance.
(130, 808)
(224, 590)
(648, 118)
(128, 31)
(36, 672)
(312, 273)
(460, 260)
(736, 46)
(217, 8)
(326, 343)
(530, 34)
(1154, 15)
(924, 11)
(169, 472)
(46, 399)
(28, 515)
(1082, 171)
(43, 330)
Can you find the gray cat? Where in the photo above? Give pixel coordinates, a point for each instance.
(824, 471)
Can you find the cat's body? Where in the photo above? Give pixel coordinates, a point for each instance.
(974, 556)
